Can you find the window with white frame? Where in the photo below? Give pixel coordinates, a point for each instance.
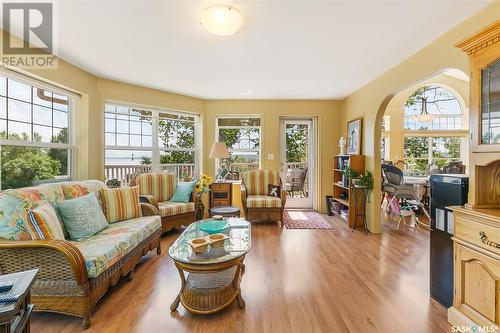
(141, 139)
(442, 105)
(35, 132)
(421, 151)
(241, 134)
(441, 138)
(384, 143)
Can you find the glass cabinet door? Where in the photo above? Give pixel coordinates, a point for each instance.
(490, 104)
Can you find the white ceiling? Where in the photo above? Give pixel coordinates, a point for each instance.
(287, 49)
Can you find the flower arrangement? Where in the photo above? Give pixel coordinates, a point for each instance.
(202, 185)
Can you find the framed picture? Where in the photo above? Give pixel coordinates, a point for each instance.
(354, 136)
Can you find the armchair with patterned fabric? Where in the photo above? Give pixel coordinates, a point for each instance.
(258, 206)
(157, 189)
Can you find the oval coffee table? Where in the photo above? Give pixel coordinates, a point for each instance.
(210, 281)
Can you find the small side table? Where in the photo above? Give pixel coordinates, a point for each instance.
(220, 194)
(15, 316)
(226, 211)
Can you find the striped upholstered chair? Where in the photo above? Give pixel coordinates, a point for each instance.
(258, 206)
(157, 189)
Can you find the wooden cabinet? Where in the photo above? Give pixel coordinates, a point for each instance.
(483, 49)
(476, 268)
(221, 194)
(476, 240)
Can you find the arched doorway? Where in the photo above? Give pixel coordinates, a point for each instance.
(444, 82)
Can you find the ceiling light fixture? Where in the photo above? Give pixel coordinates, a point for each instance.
(222, 20)
(424, 115)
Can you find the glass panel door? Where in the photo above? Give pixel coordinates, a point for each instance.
(490, 104)
(296, 162)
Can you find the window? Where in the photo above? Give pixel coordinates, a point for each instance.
(242, 137)
(384, 144)
(419, 152)
(35, 133)
(441, 103)
(441, 144)
(144, 140)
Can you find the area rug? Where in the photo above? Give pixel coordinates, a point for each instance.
(304, 220)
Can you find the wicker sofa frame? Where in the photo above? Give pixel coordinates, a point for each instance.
(62, 284)
(175, 221)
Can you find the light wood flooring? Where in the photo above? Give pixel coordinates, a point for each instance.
(295, 281)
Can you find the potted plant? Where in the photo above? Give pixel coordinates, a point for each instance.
(364, 181)
(201, 186)
(348, 175)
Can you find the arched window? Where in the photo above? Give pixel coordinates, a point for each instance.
(432, 117)
(442, 106)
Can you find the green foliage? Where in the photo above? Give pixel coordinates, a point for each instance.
(61, 155)
(20, 166)
(24, 165)
(365, 180)
(145, 160)
(176, 134)
(230, 136)
(349, 173)
(296, 144)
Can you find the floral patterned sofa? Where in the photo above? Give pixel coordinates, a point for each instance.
(72, 276)
(157, 189)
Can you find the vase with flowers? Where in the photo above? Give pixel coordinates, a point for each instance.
(201, 186)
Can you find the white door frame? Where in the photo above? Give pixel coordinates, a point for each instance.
(309, 202)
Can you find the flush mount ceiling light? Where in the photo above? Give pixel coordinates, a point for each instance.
(222, 20)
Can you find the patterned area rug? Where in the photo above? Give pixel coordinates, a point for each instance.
(304, 220)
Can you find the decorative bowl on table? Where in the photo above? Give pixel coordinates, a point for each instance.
(213, 226)
(199, 245)
(217, 240)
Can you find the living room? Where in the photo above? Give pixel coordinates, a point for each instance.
(204, 166)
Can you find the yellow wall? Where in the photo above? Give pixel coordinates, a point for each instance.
(95, 91)
(328, 132)
(371, 100)
(395, 112)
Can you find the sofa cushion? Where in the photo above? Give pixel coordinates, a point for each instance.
(120, 204)
(79, 188)
(107, 247)
(168, 208)
(44, 223)
(256, 181)
(15, 204)
(263, 201)
(160, 185)
(82, 216)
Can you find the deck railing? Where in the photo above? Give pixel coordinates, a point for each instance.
(124, 173)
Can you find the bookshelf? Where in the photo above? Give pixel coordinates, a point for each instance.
(341, 186)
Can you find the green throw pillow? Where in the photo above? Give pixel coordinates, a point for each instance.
(183, 191)
(82, 216)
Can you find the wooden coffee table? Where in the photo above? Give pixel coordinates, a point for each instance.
(210, 281)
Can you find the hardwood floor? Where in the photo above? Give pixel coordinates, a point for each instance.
(295, 281)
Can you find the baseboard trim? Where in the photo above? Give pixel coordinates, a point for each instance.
(457, 318)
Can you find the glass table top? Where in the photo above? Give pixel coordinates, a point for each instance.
(237, 245)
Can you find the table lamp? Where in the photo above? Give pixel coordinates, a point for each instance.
(219, 150)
